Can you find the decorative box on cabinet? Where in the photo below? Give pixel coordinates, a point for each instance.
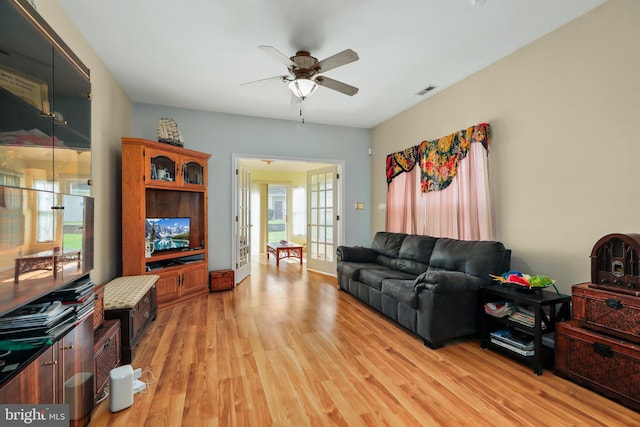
(165, 181)
(132, 300)
(605, 364)
(106, 353)
(609, 312)
(221, 280)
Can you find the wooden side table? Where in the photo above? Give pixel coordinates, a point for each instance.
(548, 307)
(284, 250)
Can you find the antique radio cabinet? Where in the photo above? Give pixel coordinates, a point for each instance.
(615, 263)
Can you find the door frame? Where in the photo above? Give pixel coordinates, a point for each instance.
(235, 157)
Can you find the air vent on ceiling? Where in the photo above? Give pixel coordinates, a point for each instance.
(426, 90)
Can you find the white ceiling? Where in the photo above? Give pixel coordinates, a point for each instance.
(196, 53)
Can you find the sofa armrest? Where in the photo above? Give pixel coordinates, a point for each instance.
(447, 282)
(356, 254)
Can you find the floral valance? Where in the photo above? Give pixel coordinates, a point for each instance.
(438, 159)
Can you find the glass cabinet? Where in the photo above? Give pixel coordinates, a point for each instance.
(175, 170)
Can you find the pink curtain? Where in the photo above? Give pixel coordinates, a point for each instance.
(461, 211)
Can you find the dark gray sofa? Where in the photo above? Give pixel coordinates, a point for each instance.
(427, 284)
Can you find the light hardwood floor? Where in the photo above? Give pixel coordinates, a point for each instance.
(286, 348)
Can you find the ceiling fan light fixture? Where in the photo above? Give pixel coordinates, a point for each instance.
(303, 88)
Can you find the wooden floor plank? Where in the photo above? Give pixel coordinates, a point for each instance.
(286, 348)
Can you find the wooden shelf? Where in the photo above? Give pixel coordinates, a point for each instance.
(144, 196)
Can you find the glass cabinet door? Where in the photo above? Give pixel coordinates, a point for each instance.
(71, 118)
(26, 85)
(28, 236)
(193, 171)
(74, 256)
(163, 168)
(45, 111)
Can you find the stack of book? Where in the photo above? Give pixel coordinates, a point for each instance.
(525, 316)
(518, 342)
(35, 324)
(78, 295)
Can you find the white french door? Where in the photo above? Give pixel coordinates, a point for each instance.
(322, 217)
(243, 223)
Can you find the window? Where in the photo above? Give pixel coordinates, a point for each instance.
(45, 227)
(277, 211)
(299, 207)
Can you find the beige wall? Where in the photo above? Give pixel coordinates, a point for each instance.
(564, 156)
(111, 117)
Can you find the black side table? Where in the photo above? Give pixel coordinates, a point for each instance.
(549, 307)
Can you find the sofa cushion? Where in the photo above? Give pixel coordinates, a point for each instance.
(401, 290)
(374, 277)
(352, 269)
(356, 254)
(477, 258)
(387, 261)
(387, 244)
(415, 253)
(447, 282)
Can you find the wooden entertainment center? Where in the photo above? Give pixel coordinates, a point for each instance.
(161, 181)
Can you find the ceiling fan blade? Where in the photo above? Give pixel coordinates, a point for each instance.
(345, 57)
(336, 85)
(283, 78)
(277, 55)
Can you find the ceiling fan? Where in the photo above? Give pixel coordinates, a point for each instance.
(304, 71)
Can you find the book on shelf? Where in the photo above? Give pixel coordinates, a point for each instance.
(515, 338)
(499, 308)
(525, 317)
(512, 348)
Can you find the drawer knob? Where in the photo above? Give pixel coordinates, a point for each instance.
(50, 362)
(67, 347)
(106, 344)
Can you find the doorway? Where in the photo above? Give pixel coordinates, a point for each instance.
(276, 211)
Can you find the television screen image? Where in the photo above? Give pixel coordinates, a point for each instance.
(168, 233)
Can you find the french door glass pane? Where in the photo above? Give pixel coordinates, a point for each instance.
(329, 202)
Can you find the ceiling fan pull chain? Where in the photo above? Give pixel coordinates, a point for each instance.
(301, 110)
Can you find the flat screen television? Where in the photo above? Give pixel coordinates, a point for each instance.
(168, 233)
